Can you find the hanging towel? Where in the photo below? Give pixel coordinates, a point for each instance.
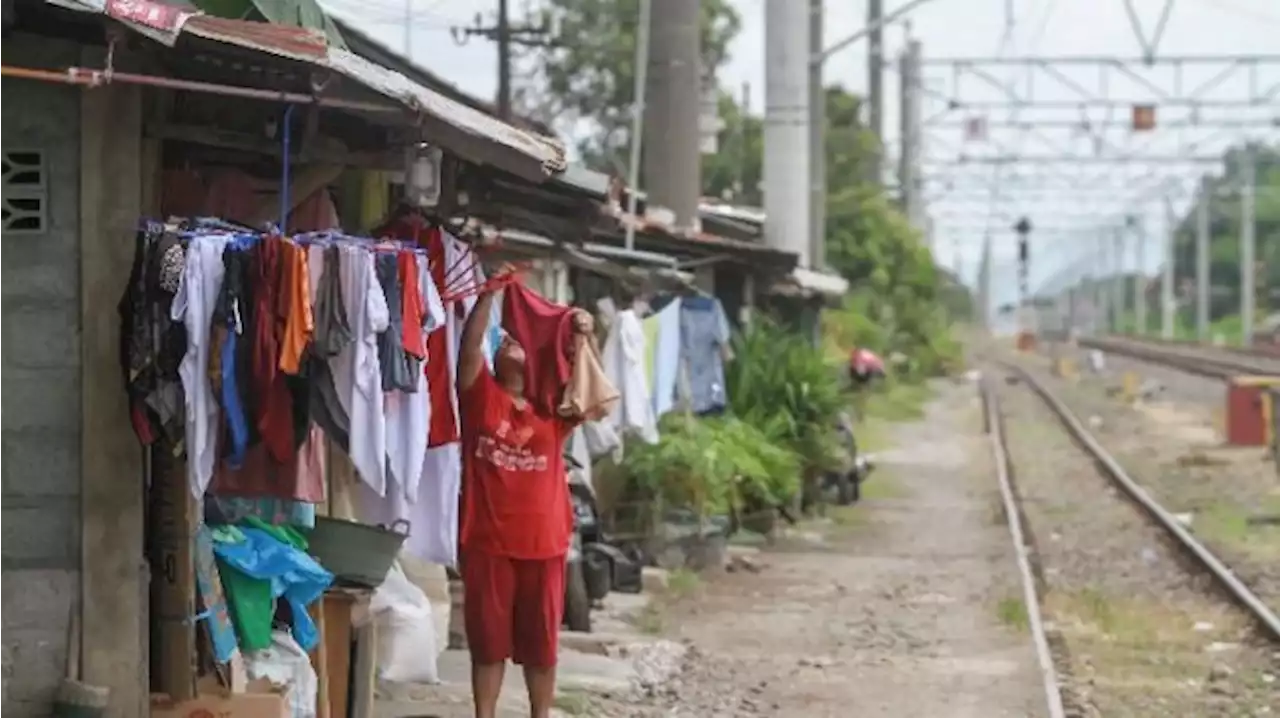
(589, 395)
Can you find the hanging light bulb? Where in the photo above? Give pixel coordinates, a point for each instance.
(422, 176)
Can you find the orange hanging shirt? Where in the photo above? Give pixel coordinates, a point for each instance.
(299, 325)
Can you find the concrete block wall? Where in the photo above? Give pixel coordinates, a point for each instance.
(40, 389)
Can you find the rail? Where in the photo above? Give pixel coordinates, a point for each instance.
(1213, 362)
(1030, 594)
(1265, 617)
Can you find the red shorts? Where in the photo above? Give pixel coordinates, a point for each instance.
(513, 608)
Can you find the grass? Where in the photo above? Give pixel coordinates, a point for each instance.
(651, 620)
(682, 583)
(572, 702)
(1229, 524)
(897, 401)
(883, 483)
(1012, 612)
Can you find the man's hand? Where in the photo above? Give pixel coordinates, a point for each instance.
(583, 323)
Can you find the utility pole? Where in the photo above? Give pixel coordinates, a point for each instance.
(1117, 282)
(408, 30)
(1023, 229)
(504, 61)
(637, 117)
(740, 172)
(786, 127)
(1247, 246)
(875, 83)
(1202, 261)
(909, 162)
(1102, 290)
(817, 152)
(1168, 302)
(672, 163)
(1139, 277)
(984, 286)
(505, 35)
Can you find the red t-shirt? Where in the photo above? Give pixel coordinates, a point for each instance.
(515, 493)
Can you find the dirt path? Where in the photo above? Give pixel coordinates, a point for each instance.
(890, 608)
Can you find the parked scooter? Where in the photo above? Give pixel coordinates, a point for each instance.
(847, 483)
(595, 566)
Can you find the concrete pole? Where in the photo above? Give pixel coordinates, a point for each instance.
(1202, 262)
(1168, 301)
(673, 162)
(909, 161)
(1117, 282)
(786, 127)
(875, 83)
(637, 117)
(817, 149)
(1248, 273)
(1102, 288)
(1140, 280)
(504, 60)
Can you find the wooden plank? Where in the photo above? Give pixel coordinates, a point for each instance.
(320, 660)
(113, 607)
(337, 619)
(305, 182)
(321, 149)
(364, 672)
(173, 580)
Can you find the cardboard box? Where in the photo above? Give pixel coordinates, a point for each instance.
(260, 701)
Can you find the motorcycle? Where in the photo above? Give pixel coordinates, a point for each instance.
(595, 566)
(847, 484)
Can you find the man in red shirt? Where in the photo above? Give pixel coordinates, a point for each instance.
(516, 519)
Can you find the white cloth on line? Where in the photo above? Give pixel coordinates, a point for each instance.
(193, 305)
(623, 358)
(357, 376)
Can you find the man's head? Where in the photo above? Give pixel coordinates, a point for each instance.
(508, 361)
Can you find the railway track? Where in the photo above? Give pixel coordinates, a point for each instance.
(1214, 362)
(1073, 531)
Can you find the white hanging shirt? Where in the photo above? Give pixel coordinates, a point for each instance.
(409, 414)
(193, 305)
(623, 358)
(431, 510)
(357, 375)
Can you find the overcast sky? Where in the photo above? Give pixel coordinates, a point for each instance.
(1066, 201)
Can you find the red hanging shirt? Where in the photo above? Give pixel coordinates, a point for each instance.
(515, 493)
(444, 423)
(545, 330)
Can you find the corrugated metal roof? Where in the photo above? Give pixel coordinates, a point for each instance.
(310, 46)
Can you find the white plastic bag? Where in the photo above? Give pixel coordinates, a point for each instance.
(285, 664)
(406, 631)
(433, 579)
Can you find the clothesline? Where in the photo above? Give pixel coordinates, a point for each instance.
(459, 275)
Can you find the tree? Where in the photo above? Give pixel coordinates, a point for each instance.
(1224, 236)
(586, 75)
(735, 172)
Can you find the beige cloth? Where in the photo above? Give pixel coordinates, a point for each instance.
(589, 395)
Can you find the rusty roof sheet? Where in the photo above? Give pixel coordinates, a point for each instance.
(166, 23)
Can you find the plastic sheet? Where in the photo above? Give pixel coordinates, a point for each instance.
(286, 665)
(289, 572)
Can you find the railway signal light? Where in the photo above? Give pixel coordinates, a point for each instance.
(1144, 118)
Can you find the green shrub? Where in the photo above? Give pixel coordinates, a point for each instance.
(709, 465)
(780, 383)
